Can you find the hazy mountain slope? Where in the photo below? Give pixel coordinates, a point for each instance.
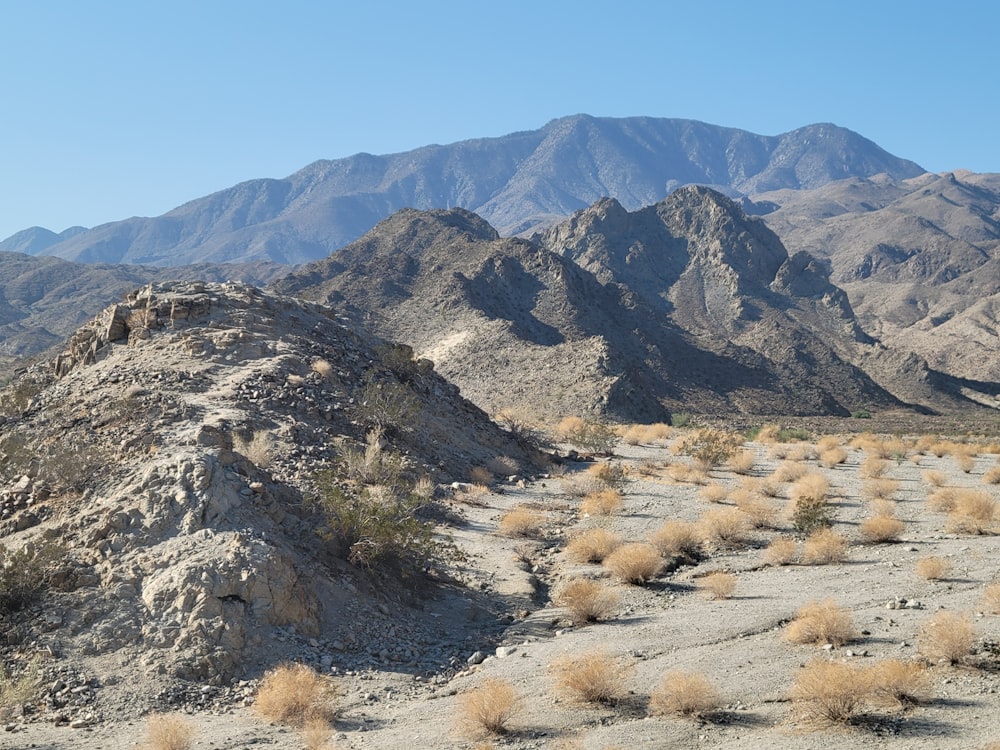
(36, 240)
(919, 258)
(515, 182)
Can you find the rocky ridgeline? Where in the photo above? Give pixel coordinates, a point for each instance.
(188, 553)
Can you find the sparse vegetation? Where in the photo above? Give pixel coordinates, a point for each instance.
(589, 436)
(821, 622)
(490, 707)
(710, 448)
(294, 694)
(879, 529)
(168, 732)
(18, 688)
(636, 563)
(587, 600)
(823, 547)
(606, 502)
(25, 575)
(782, 550)
(724, 527)
(593, 677)
(932, 568)
(609, 474)
(592, 545)
(947, 637)
(683, 693)
(677, 539)
(899, 683)
(521, 521)
(991, 599)
(974, 513)
(830, 691)
(718, 585)
(258, 448)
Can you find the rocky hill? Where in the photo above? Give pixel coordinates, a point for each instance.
(687, 305)
(516, 182)
(167, 456)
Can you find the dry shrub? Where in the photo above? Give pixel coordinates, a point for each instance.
(800, 453)
(742, 462)
(965, 463)
(521, 521)
(724, 527)
(946, 637)
(294, 694)
(168, 732)
(812, 486)
(594, 677)
(821, 622)
(827, 443)
(608, 474)
(604, 502)
(769, 487)
(580, 485)
(634, 434)
(761, 512)
(932, 568)
(942, 500)
(258, 449)
(646, 434)
(481, 475)
(718, 585)
(934, 478)
(713, 493)
(783, 550)
(322, 368)
(991, 599)
(881, 529)
(768, 433)
(974, 512)
(687, 474)
(677, 539)
(832, 457)
(789, 471)
(823, 547)
(883, 507)
(830, 691)
(316, 735)
(489, 708)
(873, 468)
(992, 476)
(635, 563)
(472, 494)
(658, 432)
(880, 489)
(684, 694)
(941, 448)
(587, 600)
(710, 447)
(899, 683)
(592, 545)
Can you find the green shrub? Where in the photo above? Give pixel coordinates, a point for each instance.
(810, 514)
(710, 447)
(861, 414)
(25, 575)
(388, 405)
(682, 419)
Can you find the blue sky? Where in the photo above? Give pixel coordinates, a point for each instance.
(115, 109)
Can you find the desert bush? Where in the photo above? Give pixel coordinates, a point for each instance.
(294, 694)
(580, 484)
(168, 732)
(681, 419)
(593, 677)
(789, 471)
(646, 434)
(813, 486)
(880, 489)
(965, 463)
(25, 575)
(633, 435)
(521, 521)
(821, 622)
(323, 368)
(388, 405)
(718, 585)
(767, 433)
(899, 683)
(769, 487)
(831, 457)
(684, 694)
(713, 493)
(588, 435)
(934, 478)
(942, 500)
(883, 507)
(316, 735)
(809, 514)
(592, 545)
(373, 464)
(974, 513)
(761, 512)
(873, 467)
(710, 448)
(991, 599)
(742, 462)
(782, 550)
(992, 476)
(724, 527)
(800, 452)
(490, 707)
(587, 600)
(609, 474)
(830, 691)
(827, 443)
(932, 568)
(677, 539)
(946, 637)
(605, 502)
(881, 528)
(635, 563)
(687, 474)
(17, 688)
(823, 547)
(258, 448)
(481, 475)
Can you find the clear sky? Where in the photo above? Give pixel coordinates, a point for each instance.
(117, 109)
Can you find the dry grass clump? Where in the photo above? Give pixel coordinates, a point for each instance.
(258, 449)
(687, 474)
(899, 683)
(316, 735)
(579, 485)
(521, 521)
(481, 475)
(718, 585)
(168, 732)
(724, 527)
(322, 368)
(880, 489)
(490, 707)
(821, 622)
(827, 443)
(873, 468)
(992, 476)
(932, 568)
(742, 462)
(608, 474)
(587, 600)
(592, 545)
(294, 694)
(831, 457)
(965, 463)
(635, 563)
(947, 637)
(782, 550)
(677, 539)
(942, 500)
(823, 547)
(812, 486)
(713, 493)
(684, 694)
(830, 691)
(604, 502)
(594, 677)
(974, 513)
(761, 512)
(769, 487)
(879, 529)
(991, 599)
(789, 471)
(934, 478)
(646, 434)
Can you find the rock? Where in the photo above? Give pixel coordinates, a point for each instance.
(477, 658)
(503, 652)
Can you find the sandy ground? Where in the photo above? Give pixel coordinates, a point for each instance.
(736, 643)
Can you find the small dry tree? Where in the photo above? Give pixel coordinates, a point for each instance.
(587, 600)
(684, 694)
(593, 677)
(294, 694)
(168, 732)
(489, 708)
(718, 585)
(592, 545)
(636, 563)
(830, 692)
(947, 637)
(821, 622)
